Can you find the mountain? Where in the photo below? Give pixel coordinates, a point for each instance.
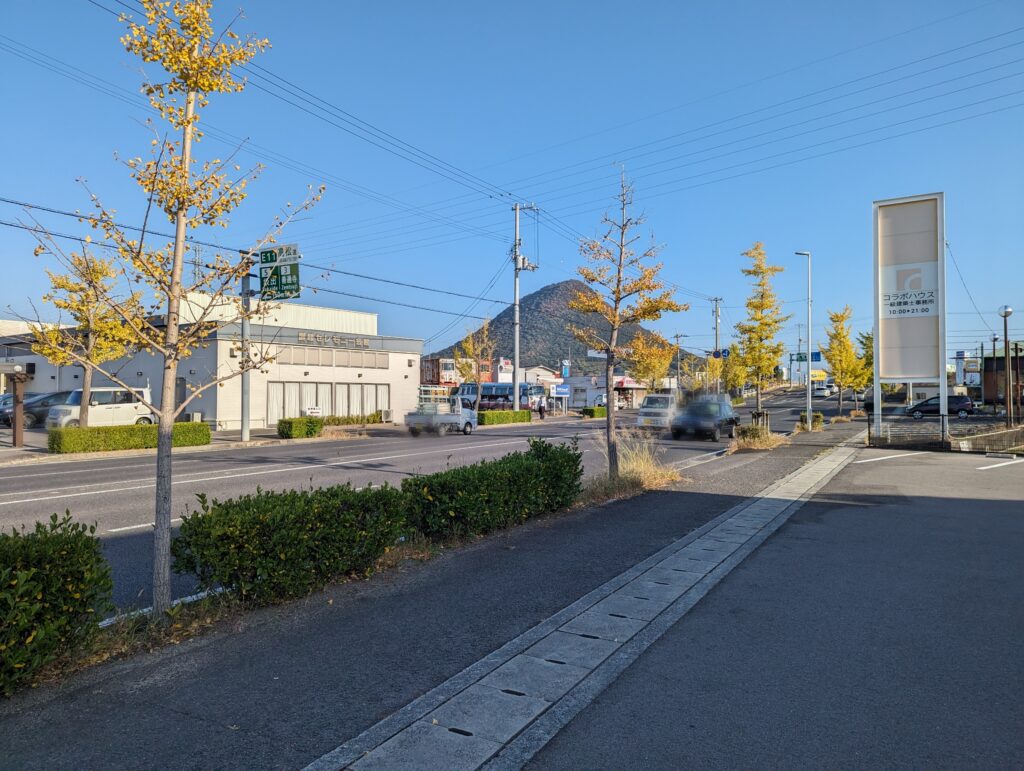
(544, 337)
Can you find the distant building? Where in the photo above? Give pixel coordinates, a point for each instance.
(328, 358)
(994, 373)
(437, 371)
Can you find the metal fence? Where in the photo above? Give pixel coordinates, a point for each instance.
(974, 434)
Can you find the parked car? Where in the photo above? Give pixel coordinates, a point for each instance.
(831, 384)
(821, 391)
(707, 418)
(35, 409)
(656, 411)
(108, 406)
(6, 400)
(961, 406)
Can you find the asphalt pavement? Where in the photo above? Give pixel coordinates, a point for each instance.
(880, 628)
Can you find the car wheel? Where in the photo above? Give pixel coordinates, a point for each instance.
(917, 414)
(29, 420)
(677, 434)
(143, 422)
(72, 424)
(732, 431)
(716, 435)
(414, 432)
(962, 414)
(467, 429)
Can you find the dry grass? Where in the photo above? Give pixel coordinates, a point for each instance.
(640, 469)
(755, 441)
(858, 414)
(138, 634)
(839, 419)
(413, 547)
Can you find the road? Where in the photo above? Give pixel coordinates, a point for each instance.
(117, 494)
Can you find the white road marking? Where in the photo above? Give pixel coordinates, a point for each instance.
(91, 470)
(999, 465)
(696, 460)
(264, 472)
(137, 527)
(889, 457)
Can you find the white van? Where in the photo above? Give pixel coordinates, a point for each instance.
(107, 407)
(657, 411)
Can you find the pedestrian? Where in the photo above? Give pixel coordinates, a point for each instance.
(541, 408)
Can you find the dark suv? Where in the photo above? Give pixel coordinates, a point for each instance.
(710, 418)
(961, 406)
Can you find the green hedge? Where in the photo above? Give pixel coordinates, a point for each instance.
(353, 420)
(738, 401)
(493, 494)
(498, 417)
(106, 438)
(299, 428)
(55, 586)
(595, 412)
(270, 546)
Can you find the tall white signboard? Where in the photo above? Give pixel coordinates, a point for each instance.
(910, 295)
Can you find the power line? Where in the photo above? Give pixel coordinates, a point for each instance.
(969, 295)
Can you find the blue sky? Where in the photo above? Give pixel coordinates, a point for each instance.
(766, 121)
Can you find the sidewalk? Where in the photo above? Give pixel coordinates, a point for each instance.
(880, 628)
(289, 684)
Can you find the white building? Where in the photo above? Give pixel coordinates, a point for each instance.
(322, 357)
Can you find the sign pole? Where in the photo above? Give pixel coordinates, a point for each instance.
(245, 356)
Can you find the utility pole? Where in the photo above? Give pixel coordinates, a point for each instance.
(799, 343)
(995, 376)
(981, 370)
(679, 368)
(519, 263)
(246, 309)
(718, 318)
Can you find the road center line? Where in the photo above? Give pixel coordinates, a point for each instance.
(999, 465)
(889, 457)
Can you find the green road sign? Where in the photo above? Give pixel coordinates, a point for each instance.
(279, 272)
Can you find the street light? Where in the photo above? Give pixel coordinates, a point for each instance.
(808, 416)
(1006, 311)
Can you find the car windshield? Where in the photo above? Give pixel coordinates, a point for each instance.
(75, 399)
(656, 403)
(705, 409)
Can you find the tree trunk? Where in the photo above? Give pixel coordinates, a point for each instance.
(840, 400)
(758, 397)
(83, 411)
(168, 407)
(164, 487)
(613, 449)
(479, 389)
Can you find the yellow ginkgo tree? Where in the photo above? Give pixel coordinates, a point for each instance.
(472, 353)
(96, 334)
(175, 313)
(650, 358)
(624, 288)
